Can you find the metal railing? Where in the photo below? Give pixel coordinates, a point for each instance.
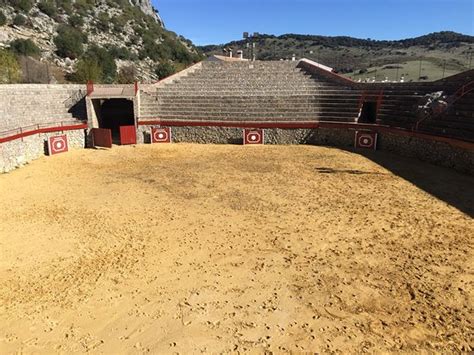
(25, 131)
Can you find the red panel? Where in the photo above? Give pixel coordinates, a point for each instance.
(57, 144)
(366, 139)
(161, 135)
(128, 135)
(254, 136)
(102, 137)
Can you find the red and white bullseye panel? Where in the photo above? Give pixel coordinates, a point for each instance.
(57, 144)
(254, 136)
(161, 135)
(366, 140)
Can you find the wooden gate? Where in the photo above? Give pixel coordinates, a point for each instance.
(102, 137)
(128, 135)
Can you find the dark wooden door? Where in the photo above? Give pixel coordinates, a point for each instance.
(128, 135)
(102, 137)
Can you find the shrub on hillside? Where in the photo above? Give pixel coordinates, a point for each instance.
(103, 22)
(3, 19)
(48, 7)
(165, 69)
(87, 69)
(76, 21)
(22, 5)
(127, 75)
(65, 5)
(25, 47)
(84, 6)
(120, 52)
(19, 20)
(106, 62)
(9, 68)
(69, 42)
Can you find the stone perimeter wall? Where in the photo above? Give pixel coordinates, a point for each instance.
(439, 153)
(19, 152)
(27, 106)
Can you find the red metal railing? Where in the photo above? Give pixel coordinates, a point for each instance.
(21, 132)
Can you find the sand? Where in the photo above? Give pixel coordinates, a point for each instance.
(202, 248)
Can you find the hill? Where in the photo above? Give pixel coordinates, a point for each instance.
(442, 53)
(75, 40)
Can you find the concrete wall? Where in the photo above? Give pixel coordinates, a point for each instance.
(19, 152)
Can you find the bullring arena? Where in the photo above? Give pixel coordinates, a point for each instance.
(349, 230)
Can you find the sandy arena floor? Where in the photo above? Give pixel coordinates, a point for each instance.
(180, 248)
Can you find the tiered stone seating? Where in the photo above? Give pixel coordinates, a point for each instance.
(251, 91)
(284, 91)
(25, 105)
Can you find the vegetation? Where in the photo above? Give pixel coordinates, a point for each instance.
(3, 19)
(69, 42)
(150, 40)
(9, 68)
(350, 56)
(127, 75)
(76, 21)
(25, 47)
(22, 5)
(48, 7)
(65, 6)
(105, 60)
(87, 69)
(165, 69)
(19, 20)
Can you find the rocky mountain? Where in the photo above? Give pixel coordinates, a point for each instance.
(440, 54)
(103, 40)
(148, 9)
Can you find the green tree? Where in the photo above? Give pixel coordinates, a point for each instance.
(105, 60)
(48, 7)
(22, 5)
(165, 69)
(69, 42)
(87, 69)
(76, 21)
(25, 47)
(19, 20)
(9, 68)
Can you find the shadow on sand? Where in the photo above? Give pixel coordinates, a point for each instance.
(448, 185)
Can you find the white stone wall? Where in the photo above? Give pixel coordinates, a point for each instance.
(19, 152)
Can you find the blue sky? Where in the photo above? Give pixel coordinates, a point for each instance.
(220, 21)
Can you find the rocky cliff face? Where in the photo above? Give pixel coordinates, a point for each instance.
(136, 38)
(147, 8)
